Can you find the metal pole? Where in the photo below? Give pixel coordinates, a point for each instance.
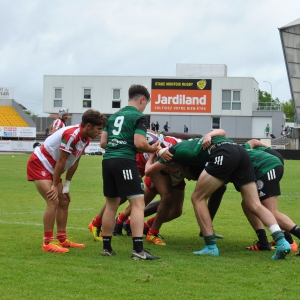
(271, 87)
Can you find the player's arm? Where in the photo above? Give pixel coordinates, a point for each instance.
(142, 145)
(140, 140)
(255, 143)
(55, 126)
(54, 129)
(104, 139)
(69, 175)
(59, 169)
(207, 138)
(153, 167)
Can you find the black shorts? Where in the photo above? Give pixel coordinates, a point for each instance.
(268, 185)
(230, 163)
(121, 178)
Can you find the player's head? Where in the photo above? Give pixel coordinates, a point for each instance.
(93, 117)
(138, 96)
(92, 123)
(63, 114)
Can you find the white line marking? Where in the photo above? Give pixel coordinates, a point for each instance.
(36, 224)
(41, 211)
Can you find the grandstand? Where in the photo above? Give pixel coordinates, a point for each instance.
(10, 117)
(15, 124)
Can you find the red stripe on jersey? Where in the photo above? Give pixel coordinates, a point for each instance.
(171, 141)
(49, 158)
(58, 123)
(73, 142)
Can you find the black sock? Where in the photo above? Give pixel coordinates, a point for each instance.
(107, 243)
(295, 231)
(288, 237)
(262, 237)
(137, 244)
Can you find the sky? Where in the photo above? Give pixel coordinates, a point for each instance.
(141, 38)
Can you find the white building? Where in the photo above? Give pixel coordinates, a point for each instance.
(200, 96)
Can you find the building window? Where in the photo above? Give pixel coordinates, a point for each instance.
(87, 103)
(87, 95)
(236, 100)
(116, 104)
(231, 100)
(215, 123)
(57, 103)
(57, 98)
(58, 93)
(116, 94)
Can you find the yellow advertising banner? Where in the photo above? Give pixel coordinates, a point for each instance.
(181, 95)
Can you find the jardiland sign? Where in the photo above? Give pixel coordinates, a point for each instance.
(181, 95)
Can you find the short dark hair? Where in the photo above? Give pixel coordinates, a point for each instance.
(137, 90)
(94, 117)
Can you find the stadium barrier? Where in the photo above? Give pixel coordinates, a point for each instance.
(28, 146)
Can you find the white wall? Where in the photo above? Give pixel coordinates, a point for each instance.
(102, 87)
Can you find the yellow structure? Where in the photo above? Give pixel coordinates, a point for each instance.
(9, 117)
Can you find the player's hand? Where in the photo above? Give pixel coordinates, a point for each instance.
(166, 155)
(206, 141)
(155, 146)
(52, 193)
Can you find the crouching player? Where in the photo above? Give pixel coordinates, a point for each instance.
(61, 152)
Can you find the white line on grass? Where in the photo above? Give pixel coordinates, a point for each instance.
(35, 224)
(41, 212)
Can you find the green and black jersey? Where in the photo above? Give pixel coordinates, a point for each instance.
(261, 148)
(262, 161)
(190, 152)
(268, 150)
(121, 128)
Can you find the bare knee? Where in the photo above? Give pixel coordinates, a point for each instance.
(176, 213)
(64, 200)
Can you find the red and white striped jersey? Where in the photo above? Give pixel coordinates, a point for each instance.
(68, 139)
(142, 158)
(58, 124)
(170, 141)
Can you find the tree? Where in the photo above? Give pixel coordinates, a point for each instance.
(289, 110)
(265, 101)
(30, 113)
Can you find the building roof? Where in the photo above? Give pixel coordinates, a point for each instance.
(296, 22)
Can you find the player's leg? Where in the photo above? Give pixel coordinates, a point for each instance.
(176, 207)
(49, 244)
(137, 216)
(174, 212)
(95, 225)
(205, 186)
(262, 243)
(137, 225)
(43, 186)
(150, 193)
(163, 185)
(213, 205)
(252, 202)
(121, 218)
(215, 199)
(152, 207)
(61, 221)
(111, 207)
(284, 221)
